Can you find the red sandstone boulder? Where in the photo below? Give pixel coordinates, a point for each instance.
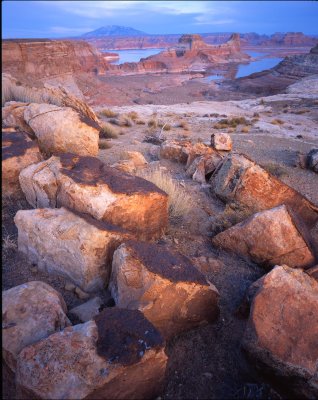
(240, 180)
(18, 152)
(282, 331)
(221, 141)
(62, 130)
(87, 185)
(118, 355)
(30, 312)
(164, 285)
(269, 237)
(71, 245)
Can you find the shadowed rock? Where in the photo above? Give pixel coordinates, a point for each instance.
(164, 285)
(282, 331)
(30, 312)
(18, 152)
(69, 244)
(88, 310)
(119, 355)
(269, 237)
(87, 185)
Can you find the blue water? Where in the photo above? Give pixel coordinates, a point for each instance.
(133, 55)
(257, 66)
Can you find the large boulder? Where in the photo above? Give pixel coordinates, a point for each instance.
(30, 312)
(268, 238)
(13, 115)
(87, 185)
(72, 245)
(164, 285)
(175, 150)
(118, 355)
(221, 141)
(282, 331)
(62, 130)
(18, 152)
(240, 180)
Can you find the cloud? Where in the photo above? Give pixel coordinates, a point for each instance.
(210, 20)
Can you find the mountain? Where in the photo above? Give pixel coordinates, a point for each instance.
(114, 30)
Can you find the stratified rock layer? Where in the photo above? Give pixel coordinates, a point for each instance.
(87, 185)
(269, 238)
(282, 331)
(72, 245)
(119, 355)
(18, 152)
(165, 286)
(30, 312)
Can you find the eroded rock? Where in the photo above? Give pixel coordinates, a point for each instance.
(88, 310)
(62, 130)
(135, 157)
(30, 312)
(268, 238)
(18, 152)
(119, 355)
(69, 244)
(164, 285)
(221, 141)
(282, 331)
(13, 115)
(87, 185)
(175, 150)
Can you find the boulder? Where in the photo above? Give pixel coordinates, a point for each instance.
(118, 355)
(87, 185)
(282, 332)
(69, 244)
(88, 310)
(30, 312)
(13, 115)
(164, 285)
(203, 166)
(221, 141)
(126, 166)
(135, 157)
(62, 130)
(241, 181)
(199, 173)
(18, 152)
(268, 238)
(175, 150)
(312, 160)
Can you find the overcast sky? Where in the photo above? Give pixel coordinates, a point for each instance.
(54, 19)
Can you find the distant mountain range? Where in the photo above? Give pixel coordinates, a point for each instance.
(113, 30)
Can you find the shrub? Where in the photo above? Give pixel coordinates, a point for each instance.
(153, 123)
(140, 122)
(277, 122)
(166, 127)
(108, 113)
(184, 125)
(104, 144)
(108, 131)
(123, 120)
(231, 123)
(180, 202)
(245, 129)
(133, 115)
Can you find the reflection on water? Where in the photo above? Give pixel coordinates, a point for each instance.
(133, 55)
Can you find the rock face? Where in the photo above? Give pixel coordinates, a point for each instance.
(281, 242)
(164, 285)
(86, 185)
(30, 312)
(74, 246)
(282, 331)
(18, 152)
(119, 355)
(13, 115)
(221, 141)
(62, 130)
(241, 181)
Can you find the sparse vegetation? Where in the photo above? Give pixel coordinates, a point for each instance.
(104, 144)
(108, 131)
(245, 129)
(140, 122)
(123, 120)
(107, 112)
(8, 243)
(133, 115)
(231, 123)
(153, 123)
(230, 216)
(277, 122)
(184, 125)
(180, 202)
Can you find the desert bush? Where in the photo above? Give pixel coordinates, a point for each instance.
(104, 144)
(107, 112)
(231, 123)
(184, 125)
(230, 216)
(180, 202)
(8, 243)
(123, 120)
(133, 115)
(108, 131)
(277, 122)
(166, 127)
(153, 123)
(140, 122)
(245, 129)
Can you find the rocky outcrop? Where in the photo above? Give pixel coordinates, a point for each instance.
(118, 355)
(281, 241)
(164, 285)
(74, 246)
(240, 181)
(30, 312)
(282, 331)
(87, 185)
(13, 116)
(62, 130)
(221, 141)
(18, 152)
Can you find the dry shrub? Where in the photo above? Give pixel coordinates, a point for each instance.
(108, 131)
(123, 120)
(153, 123)
(277, 122)
(245, 129)
(8, 243)
(140, 122)
(230, 216)
(231, 123)
(107, 112)
(180, 202)
(104, 144)
(133, 115)
(184, 125)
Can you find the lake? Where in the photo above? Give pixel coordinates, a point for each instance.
(133, 55)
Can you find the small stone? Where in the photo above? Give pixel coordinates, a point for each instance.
(176, 241)
(70, 287)
(80, 294)
(221, 141)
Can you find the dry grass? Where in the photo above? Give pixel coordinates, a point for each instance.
(123, 120)
(107, 112)
(184, 125)
(104, 144)
(231, 123)
(108, 131)
(245, 129)
(133, 115)
(277, 122)
(8, 243)
(153, 123)
(230, 216)
(180, 202)
(140, 122)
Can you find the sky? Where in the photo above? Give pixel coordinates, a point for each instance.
(57, 19)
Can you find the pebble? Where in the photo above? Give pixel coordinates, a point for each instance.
(70, 287)
(34, 269)
(176, 241)
(80, 294)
